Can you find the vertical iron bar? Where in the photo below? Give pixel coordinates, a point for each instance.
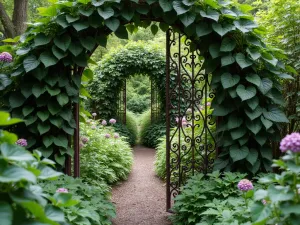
(179, 109)
(205, 125)
(168, 124)
(193, 113)
(124, 102)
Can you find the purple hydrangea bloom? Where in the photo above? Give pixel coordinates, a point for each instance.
(84, 140)
(22, 142)
(112, 121)
(245, 185)
(116, 135)
(290, 142)
(62, 190)
(107, 135)
(6, 57)
(104, 123)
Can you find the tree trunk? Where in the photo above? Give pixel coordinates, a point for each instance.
(20, 16)
(9, 29)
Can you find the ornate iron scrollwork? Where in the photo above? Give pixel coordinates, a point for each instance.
(191, 145)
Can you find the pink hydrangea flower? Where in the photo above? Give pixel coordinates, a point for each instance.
(107, 135)
(208, 104)
(116, 135)
(112, 121)
(104, 123)
(245, 185)
(81, 145)
(290, 142)
(84, 140)
(6, 57)
(22, 142)
(264, 201)
(62, 190)
(93, 127)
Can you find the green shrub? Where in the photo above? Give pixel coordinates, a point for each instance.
(94, 206)
(21, 199)
(104, 159)
(151, 133)
(203, 200)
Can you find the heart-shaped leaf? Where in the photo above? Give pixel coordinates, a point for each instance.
(238, 153)
(246, 93)
(254, 79)
(227, 45)
(243, 61)
(229, 80)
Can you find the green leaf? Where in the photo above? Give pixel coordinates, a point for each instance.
(237, 153)
(254, 113)
(238, 133)
(154, 29)
(15, 174)
(72, 19)
(43, 128)
(179, 7)
(214, 50)
(187, 19)
(127, 13)
(254, 125)
(38, 89)
(276, 96)
(30, 63)
(275, 114)
(121, 32)
(253, 102)
(48, 140)
(56, 121)
(60, 159)
(245, 93)
(229, 80)
(254, 53)
(166, 5)
(15, 153)
(48, 59)
(227, 60)
(252, 156)
(53, 91)
(266, 123)
(54, 107)
(30, 120)
(79, 26)
(278, 194)
(243, 61)
(48, 173)
(112, 23)
(234, 121)
(61, 141)
(16, 99)
(203, 29)
(6, 213)
(265, 86)
(41, 39)
(88, 42)
(260, 213)
(58, 53)
(106, 12)
(211, 14)
(261, 139)
(5, 81)
(62, 99)
(222, 30)
(227, 45)
(43, 115)
(27, 110)
(63, 42)
(254, 79)
(220, 163)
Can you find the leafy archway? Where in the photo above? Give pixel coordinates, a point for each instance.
(118, 66)
(54, 51)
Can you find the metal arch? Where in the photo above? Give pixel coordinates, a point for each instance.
(191, 146)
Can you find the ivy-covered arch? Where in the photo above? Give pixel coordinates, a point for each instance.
(54, 51)
(119, 65)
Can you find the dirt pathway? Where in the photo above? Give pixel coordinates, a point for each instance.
(141, 199)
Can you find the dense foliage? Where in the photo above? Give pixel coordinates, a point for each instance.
(129, 131)
(246, 72)
(104, 156)
(138, 92)
(150, 133)
(93, 208)
(22, 199)
(116, 67)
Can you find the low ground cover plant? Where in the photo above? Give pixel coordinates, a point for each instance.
(105, 155)
(93, 202)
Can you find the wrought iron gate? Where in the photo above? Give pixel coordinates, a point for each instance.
(122, 104)
(191, 146)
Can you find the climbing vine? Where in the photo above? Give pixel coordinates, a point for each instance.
(119, 65)
(56, 48)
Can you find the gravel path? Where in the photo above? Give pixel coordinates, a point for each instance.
(141, 199)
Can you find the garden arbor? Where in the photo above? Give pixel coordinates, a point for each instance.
(54, 51)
